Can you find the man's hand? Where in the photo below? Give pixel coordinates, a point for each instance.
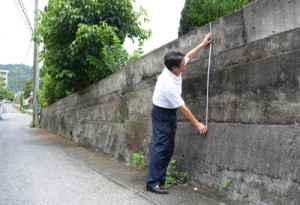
(207, 39)
(201, 128)
(186, 111)
(191, 54)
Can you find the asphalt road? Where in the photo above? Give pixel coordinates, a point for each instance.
(9, 109)
(34, 170)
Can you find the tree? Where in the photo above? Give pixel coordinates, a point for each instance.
(1, 80)
(83, 40)
(28, 88)
(47, 92)
(197, 13)
(5, 93)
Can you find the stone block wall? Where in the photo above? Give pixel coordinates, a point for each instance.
(254, 106)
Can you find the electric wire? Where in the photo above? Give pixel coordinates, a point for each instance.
(21, 10)
(25, 13)
(21, 68)
(30, 42)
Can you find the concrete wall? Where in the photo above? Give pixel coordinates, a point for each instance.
(254, 106)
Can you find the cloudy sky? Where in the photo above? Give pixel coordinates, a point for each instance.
(15, 38)
(164, 16)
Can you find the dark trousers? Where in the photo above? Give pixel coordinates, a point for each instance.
(164, 125)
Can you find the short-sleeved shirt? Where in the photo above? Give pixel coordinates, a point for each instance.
(167, 93)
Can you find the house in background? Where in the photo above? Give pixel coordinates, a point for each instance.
(4, 74)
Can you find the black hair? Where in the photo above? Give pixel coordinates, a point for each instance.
(173, 58)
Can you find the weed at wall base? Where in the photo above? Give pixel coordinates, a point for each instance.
(174, 176)
(138, 161)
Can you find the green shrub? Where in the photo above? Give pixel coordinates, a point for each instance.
(138, 161)
(197, 13)
(173, 174)
(225, 184)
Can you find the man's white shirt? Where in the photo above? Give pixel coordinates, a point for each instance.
(167, 92)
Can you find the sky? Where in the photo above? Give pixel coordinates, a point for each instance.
(15, 38)
(164, 17)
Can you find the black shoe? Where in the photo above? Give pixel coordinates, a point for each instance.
(157, 189)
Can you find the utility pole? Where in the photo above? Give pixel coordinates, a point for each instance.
(35, 74)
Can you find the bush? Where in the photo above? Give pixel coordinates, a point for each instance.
(47, 92)
(138, 161)
(173, 174)
(197, 13)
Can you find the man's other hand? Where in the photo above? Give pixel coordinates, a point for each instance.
(202, 128)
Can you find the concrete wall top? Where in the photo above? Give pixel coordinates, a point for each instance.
(257, 20)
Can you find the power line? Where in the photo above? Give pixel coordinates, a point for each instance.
(25, 13)
(21, 10)
(28, 51)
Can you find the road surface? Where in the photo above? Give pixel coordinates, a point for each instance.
(34, 170)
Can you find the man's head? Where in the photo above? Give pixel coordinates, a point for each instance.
(175, 62)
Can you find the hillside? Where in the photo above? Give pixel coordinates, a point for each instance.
(14, 75)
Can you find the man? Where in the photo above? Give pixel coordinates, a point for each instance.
(166, 100)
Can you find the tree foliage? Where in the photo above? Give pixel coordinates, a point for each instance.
(197, 13)
(48, 91)
(6, 93)
(83, 41)
(28, 87)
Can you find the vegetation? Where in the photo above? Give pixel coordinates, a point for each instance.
(28, 87)
(47, 94)
(6, 93)
(1, 81)
(225, 184)
(14, 82)
(174, 175)
(197, 13)
(83, 42)
(138, 161)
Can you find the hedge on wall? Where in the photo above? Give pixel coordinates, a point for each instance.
(197, 13)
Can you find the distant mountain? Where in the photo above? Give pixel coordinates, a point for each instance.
(14, 76)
